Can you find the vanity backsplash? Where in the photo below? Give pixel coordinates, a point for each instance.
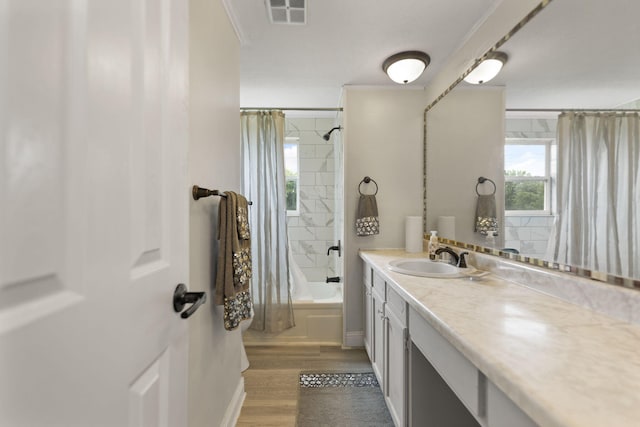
(619, 302)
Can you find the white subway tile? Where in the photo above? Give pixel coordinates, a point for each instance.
(306, 151)
(324, 178)
(307, 178)
(301, 233)
(313, 165)
(324, 152)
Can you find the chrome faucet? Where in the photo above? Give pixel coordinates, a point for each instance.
(457, 260)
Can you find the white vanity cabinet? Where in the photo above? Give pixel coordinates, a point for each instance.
(496, 353)
(374, 322)
(386, 338)
(396, 357)
(378, 323)
(368, 309)
(445, 386)
(425, 380)
(448, 390)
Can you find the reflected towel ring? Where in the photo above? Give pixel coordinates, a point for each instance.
(482, 180)
(367, 180)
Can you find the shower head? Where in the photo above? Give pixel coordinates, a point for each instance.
(327, 135)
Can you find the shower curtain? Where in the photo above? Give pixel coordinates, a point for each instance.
(263, 182)
(598, 198)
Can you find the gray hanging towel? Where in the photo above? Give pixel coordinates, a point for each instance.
(486, 218)
(367, 223)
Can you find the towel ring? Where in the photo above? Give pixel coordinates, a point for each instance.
(482, 180)
(367, 180)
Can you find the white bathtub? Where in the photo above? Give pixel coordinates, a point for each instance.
(320, 293)
(318, 317)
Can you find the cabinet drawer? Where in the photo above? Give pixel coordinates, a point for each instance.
(367, 271)
(459, 374)
(379, 284)
(396, 304)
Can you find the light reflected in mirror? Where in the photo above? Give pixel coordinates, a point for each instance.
(574, 55)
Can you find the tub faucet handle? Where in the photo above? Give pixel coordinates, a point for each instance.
(337, 247)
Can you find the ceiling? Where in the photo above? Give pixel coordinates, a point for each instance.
(562, 58)
(343, 43)
(575, 54)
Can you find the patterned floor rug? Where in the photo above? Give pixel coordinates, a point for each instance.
(341, 399)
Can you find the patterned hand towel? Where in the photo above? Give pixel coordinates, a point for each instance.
(486, 218)
(234, 260)
(367, 223)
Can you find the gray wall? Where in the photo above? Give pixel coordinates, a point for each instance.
(465, 140)
(215, 384)
(383, 140)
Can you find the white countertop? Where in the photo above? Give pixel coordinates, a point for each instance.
(562, 364)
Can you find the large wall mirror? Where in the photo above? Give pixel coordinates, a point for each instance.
(573, 73)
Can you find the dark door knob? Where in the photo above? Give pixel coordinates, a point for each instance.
(181, 298)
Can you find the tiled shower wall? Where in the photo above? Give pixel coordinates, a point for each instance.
(313, 231)
(529, 233)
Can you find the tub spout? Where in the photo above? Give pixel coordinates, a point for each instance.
(333, 279)
(338, 248)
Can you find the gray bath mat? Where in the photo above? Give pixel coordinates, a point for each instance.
(341, 399)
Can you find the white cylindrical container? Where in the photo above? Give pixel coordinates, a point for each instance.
(413, 234)
(447, 227)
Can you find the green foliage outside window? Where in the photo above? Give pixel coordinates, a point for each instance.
(523, 195)
(291, 190)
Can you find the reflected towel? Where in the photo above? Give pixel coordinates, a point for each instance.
(486, 218)
(367, 223)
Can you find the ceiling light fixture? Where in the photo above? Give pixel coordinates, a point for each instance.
(405, 67)
(487, 69)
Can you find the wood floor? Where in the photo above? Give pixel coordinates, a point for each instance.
(271, 382)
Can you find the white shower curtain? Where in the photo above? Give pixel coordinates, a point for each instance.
(264, 184)
(598, 222)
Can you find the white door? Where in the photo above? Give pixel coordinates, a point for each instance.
(93, 218)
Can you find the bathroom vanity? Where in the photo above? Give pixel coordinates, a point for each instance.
(492, 352)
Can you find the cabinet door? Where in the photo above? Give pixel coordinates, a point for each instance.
(396, 367)
(368, 320)
(377, 303)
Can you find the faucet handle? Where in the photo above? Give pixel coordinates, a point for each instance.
(462, 262)
(337, 247)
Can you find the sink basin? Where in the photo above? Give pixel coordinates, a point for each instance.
(426, 268)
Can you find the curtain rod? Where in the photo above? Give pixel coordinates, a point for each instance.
(291, 109)
(560, 110)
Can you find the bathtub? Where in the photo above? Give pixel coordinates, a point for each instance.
(318, 316)
(320, 293)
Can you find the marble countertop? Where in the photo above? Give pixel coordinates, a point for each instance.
(562, 364)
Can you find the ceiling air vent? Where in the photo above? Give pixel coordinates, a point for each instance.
(287, 11)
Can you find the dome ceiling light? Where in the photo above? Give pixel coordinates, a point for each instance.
(405, 67)
(487, 69)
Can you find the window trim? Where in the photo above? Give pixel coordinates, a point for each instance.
(294, 141)
(547, 142)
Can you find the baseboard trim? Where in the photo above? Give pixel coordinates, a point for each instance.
(233, 410)
(353, 339)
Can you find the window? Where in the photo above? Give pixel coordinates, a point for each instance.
(527, 176)
(292, 177)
